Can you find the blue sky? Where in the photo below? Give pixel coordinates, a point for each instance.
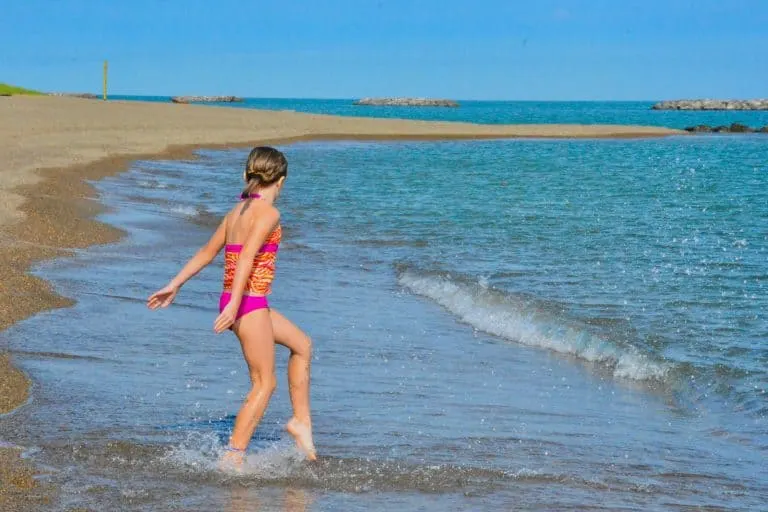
(480, 49)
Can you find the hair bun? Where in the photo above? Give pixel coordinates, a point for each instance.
(265, 166)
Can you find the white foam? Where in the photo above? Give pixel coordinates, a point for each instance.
(512, 319)
(186, 210)
(154, 184)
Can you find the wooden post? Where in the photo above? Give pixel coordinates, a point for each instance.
(105, 80)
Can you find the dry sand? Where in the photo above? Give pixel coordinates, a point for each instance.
(49, 145)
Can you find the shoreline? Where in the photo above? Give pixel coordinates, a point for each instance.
(53, 146)
(55, 208)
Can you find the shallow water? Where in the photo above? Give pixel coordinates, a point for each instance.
(500, 324)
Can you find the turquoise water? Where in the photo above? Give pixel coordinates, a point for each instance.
(532, 324)
(508, 112)
(659, 246)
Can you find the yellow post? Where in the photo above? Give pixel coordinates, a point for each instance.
(105, 80)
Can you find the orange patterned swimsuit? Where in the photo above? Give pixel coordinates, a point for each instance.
(259, 283)
(263, 271)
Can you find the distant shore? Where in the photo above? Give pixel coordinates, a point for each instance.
(50, 145)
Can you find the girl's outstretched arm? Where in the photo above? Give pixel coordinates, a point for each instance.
(262, 226)
(164, 297)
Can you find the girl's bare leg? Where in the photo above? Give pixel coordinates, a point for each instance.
(254, 331)
(287, 334)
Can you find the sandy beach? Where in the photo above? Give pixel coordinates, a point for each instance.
(49, 146)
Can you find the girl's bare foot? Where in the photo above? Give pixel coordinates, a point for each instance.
(302, 433)
(232, 459)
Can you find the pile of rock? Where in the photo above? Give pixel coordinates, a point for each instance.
(406, 102)
(712, 105)
(732, 128)
(206, 99)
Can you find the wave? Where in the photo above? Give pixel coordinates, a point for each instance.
(154, 184)
(197, 214)
(520, 320)
(186, 210)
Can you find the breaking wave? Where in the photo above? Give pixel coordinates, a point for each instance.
(517, 319)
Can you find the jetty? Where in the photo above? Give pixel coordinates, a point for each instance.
(206, 99)
(406, 102)
(758, 104)
(732, 128)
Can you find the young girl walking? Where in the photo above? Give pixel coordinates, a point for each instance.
(250, 235)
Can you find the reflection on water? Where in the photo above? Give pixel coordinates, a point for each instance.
(247, 499)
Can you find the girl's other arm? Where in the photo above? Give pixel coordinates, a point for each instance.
(164, 297)
(262, 226)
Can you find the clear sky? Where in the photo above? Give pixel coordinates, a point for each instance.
(463, 49)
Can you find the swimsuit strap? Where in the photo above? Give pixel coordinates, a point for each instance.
(250, 196)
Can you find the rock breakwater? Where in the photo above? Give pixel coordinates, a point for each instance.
(732, 128)
(759, 104)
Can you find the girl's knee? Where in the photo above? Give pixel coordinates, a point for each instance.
(269, 383)
(304, 349)
(261, 382)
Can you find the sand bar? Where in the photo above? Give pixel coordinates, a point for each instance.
(49, 145)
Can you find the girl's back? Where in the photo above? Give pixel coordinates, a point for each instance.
(241, 217)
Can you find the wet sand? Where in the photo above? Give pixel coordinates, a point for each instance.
(49, 146)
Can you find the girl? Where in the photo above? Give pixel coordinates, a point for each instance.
(250, 234)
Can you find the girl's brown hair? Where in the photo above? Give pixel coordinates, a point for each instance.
(264, 167)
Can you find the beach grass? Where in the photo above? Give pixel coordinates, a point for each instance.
(11, 90)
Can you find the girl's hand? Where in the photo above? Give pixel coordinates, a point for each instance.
(162, 298)
(225, 320)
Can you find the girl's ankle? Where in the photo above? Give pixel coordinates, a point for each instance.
(304, 421)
